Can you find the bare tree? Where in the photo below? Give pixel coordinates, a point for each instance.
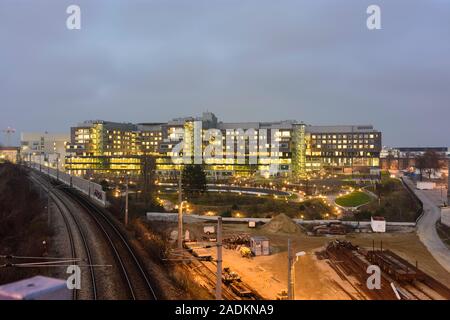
(389, 160)
(428, 163)
(420, 165)
(432, 163)
(148, 165)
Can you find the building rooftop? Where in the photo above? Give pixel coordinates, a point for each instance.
(340, 129)
(9, 148)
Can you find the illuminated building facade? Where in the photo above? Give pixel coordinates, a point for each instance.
(281, 148)
(9, 154)
(243, 148)
(342, 148)
(103, 147)
(149, 138)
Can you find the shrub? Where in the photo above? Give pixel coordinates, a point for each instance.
(226, 214)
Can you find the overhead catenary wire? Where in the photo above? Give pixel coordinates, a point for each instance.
(12, 265)
(35, 258)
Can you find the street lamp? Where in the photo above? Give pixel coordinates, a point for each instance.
(180, 224)
(57, 165)
(297, 256)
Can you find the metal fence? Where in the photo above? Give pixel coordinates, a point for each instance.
(91, 189)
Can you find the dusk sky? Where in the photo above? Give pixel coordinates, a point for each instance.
(245, 60)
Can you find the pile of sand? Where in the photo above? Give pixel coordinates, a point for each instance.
(281, 224)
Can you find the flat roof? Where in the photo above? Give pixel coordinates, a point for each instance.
(341, 129)
(9, 148)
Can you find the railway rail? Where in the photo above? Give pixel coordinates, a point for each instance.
(134, 275)
(66, 214)
(410, 282)
(205, 269)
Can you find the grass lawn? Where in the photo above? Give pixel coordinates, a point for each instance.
(253, 206)
(354, 199)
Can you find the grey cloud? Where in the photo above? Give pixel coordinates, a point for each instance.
(254, 60)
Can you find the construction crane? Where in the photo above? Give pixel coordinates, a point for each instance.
(8, 132)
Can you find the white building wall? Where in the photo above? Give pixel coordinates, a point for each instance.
(48, 146)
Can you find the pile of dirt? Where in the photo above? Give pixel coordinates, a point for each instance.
(281, 224)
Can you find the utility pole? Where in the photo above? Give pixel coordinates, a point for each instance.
(180, 212)
(290, 284)
(219, 259)
(48, 207)
(57, 167)
(126, 201)
(89, 183)
(448, 183)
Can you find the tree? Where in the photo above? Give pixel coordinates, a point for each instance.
(148, 165)
(194, 179)
(432, 162)
(390, 160)
(384, 188)
(105, 185)
(428, 163)
(420, 165)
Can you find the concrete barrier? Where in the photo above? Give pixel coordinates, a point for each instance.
(89, 188)
(445, 216)
(172, 217)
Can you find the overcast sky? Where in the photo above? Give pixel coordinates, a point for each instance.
(244, 60)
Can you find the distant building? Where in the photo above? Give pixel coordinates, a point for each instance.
(282, 148)
(10, 154)
(351, 148)
(404, 158)
(103, 147)
(45, 148)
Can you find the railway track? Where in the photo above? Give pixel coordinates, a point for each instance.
(206, 271)
(411, 283)
(133, 273)
(66, 214)
(135, 278)
(201, 270)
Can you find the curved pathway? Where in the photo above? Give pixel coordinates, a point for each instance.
(426, 226)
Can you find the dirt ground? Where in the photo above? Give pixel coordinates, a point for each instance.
(315, 279)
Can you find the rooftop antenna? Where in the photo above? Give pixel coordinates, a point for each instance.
(8, 132)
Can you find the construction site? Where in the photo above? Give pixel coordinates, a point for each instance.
(258, 261)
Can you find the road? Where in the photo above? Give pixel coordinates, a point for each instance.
(426, 227)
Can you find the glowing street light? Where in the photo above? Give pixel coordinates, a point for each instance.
(299, 254)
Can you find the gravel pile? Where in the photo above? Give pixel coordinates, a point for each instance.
(281, 224)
